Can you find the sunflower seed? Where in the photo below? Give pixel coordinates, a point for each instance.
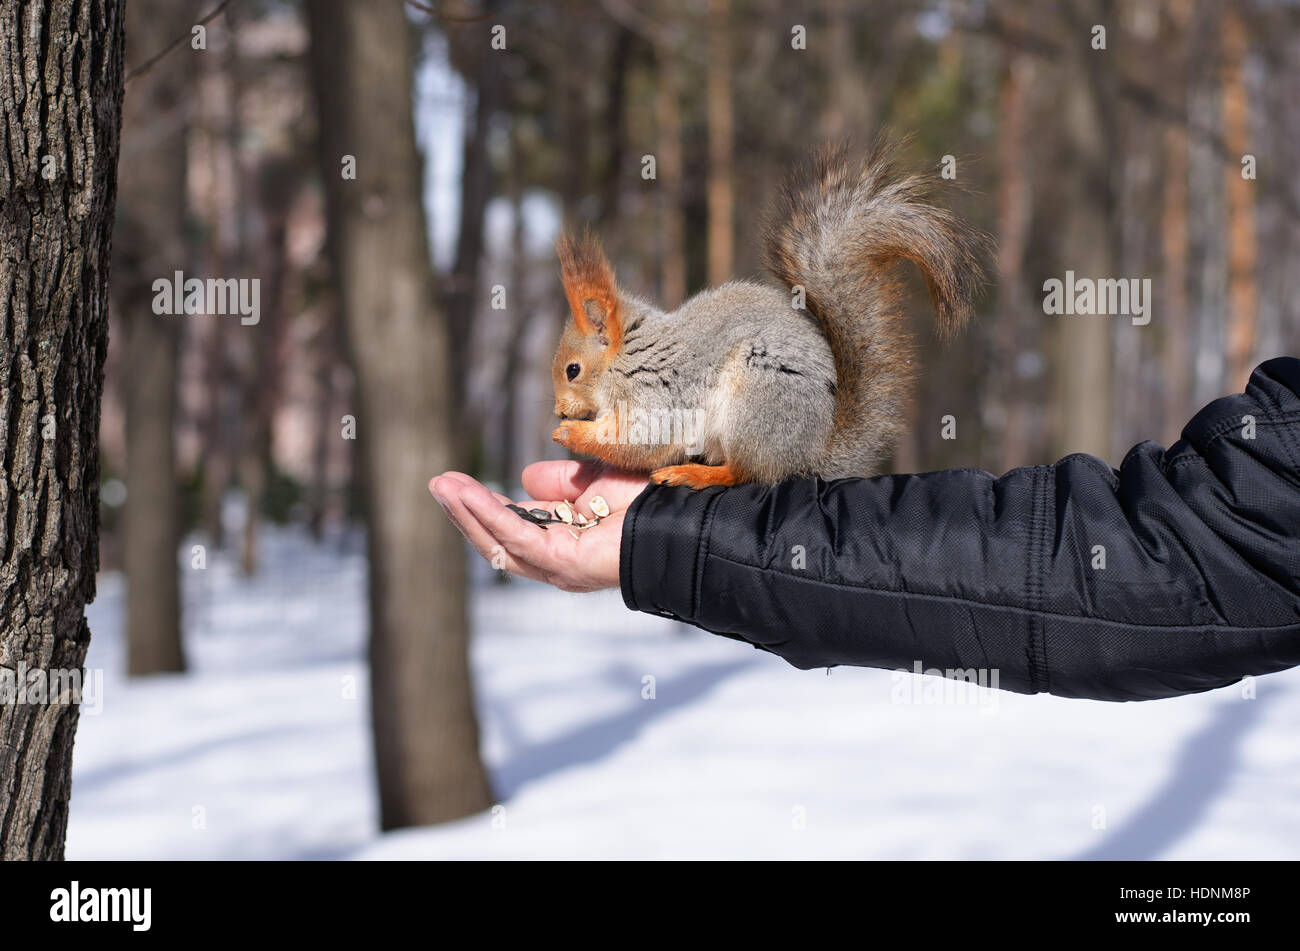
(599, 506)
(564, 511)
(530, 516)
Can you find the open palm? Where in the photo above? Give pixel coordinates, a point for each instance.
(586, 563)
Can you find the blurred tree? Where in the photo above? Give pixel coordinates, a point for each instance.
(425, 731)
(150, 243)
(327, 356)
(718, 93)
(226, 216)
(481, 67)
(1243, 297)
(520, 309)
(1014, 202)
(276, 191)
(1177, 350)
(1085, 348)
(60, 102)
(850, 96)
(669, 165)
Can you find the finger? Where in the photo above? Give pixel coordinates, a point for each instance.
(453, 482)
(481, 539)
(447, 492)
(619, 487)
(459, 479)
(522, 540)
(578, 481)
(564, 479)
(554, 566)
(453, 488)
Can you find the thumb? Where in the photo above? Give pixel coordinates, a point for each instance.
(562, 479)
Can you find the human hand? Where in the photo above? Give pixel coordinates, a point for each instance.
(586, 563)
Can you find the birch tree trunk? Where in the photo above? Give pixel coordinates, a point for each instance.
(60, 100)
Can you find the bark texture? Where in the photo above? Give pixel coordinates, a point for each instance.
(60, 113)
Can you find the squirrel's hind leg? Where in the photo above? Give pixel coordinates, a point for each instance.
(697, 475)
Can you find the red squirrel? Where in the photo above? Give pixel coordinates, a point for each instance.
(749, 382)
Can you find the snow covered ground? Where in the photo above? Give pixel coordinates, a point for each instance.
(262, 751)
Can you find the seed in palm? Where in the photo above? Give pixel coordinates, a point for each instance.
(539, 517)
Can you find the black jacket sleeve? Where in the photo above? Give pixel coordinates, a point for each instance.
(1176, 574)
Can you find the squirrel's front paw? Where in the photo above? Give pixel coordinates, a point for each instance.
(566, 434)
(590, 436)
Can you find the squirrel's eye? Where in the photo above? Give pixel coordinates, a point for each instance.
(572, 371)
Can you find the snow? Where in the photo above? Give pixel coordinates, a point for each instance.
(262, 751)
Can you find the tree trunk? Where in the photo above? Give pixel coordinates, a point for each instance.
(1084, 359)
(1177, 351)
(1015, 324)
(1243, 299)
(848, 89)
(425, 731)
(614, 126)
(150, 243)
(216, 140)
(217, 463)
(462, 284)
(519, 310)
(721, 198)
(569, 88)
(326, 421)
(60, 100)
(668, 117)
(266, 356)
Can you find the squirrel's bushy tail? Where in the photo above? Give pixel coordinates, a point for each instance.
(839, 227)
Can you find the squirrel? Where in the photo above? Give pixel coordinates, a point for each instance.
(753, 383)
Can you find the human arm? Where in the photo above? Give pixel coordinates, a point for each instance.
(1178, 573)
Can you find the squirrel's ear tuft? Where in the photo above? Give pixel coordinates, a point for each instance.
(589, 284)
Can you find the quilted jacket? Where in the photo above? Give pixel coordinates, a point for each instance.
(1179, 572)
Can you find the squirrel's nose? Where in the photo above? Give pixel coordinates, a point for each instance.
(574, 409)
